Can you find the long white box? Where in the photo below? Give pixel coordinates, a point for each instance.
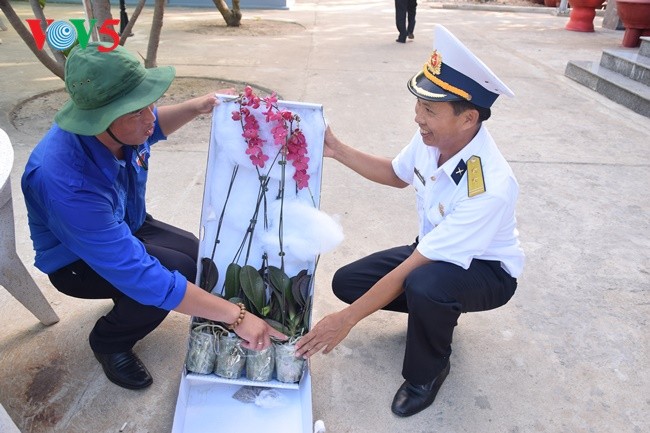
(205, 403)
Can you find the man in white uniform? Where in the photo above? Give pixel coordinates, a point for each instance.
(467, 255)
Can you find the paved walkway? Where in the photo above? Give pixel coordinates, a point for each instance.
(569, 353)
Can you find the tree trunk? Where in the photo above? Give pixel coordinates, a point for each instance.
(232, 17)
(102, 12)
(38, 13)
(154, 34)
(26, 36)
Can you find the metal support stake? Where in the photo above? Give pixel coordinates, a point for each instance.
(124, 18)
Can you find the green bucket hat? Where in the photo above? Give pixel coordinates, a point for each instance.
(106, 85)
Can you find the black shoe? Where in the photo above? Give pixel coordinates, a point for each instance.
(411, 36)
(401, 40)
(411, 399)
(125, 369)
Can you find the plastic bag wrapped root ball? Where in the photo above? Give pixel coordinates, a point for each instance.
(231, 359)
(201, 354)
(260, 364)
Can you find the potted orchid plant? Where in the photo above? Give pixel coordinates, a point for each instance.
(269, 271)
(284, 303)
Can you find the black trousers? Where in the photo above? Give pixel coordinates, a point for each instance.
(405, 17)
(434, 296)
(129, 321)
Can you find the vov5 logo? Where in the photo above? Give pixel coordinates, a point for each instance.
(61, 35)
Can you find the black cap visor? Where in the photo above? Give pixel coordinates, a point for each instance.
(423, 88)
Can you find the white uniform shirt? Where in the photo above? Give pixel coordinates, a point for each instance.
(454, 227)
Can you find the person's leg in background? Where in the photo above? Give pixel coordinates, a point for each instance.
(401, 7)
(411, 9)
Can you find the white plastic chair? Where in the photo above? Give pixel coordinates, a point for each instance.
(6, 423)
(13, 275)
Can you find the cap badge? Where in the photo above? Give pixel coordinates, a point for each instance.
(435, 62)
(433, 68)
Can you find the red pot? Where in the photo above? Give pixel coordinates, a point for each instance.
(635, 15)
(581, 17)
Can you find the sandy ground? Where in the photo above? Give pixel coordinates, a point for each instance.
(568, 354)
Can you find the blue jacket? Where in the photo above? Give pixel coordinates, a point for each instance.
(83, 203)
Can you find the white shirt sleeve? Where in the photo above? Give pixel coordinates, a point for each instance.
(404, 162)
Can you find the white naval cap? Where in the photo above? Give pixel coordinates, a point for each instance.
(454, 73)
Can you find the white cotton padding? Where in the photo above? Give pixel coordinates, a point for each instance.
(306, 231)
(270, 398)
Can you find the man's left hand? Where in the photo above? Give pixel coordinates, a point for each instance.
(326, 335)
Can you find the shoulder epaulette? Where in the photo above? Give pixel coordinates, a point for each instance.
(475, 180)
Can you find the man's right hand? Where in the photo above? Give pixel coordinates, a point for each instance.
(256, 333)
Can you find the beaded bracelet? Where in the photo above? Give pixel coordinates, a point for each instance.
(242, 313)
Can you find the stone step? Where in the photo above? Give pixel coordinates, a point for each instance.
(627, 62)
(644, 50)
(614, 86)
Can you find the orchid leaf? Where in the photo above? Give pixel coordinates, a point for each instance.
(236, 300)
(300, 288)
(278, 326)
(306, 316)
(276, 306)
(232, 286)
(294, 325)
(253, 286)
(209, 274)
(304, 288)
(280, 281)
(295, 290)
(291, 311)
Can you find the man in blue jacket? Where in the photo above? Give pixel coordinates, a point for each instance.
(84, 187)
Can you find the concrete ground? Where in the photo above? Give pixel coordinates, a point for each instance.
(569, 353)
